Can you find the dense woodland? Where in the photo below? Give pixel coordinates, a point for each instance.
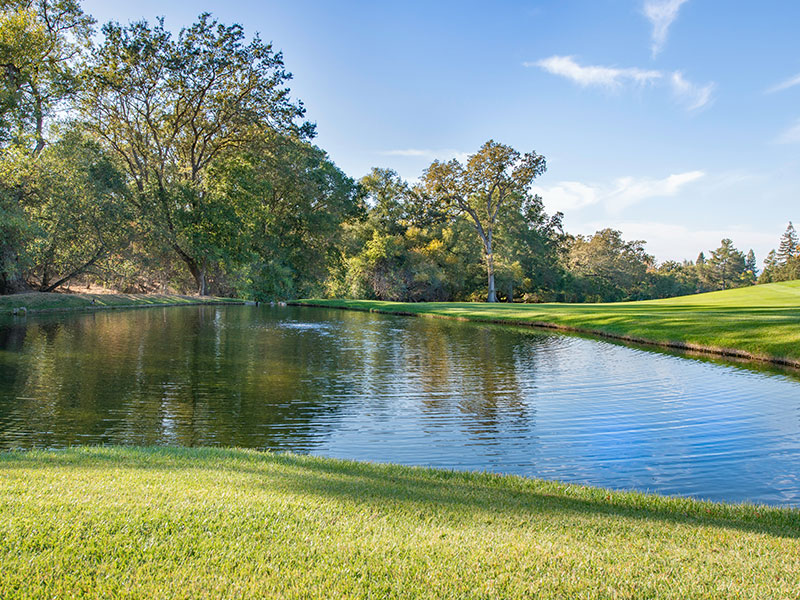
(144, 160)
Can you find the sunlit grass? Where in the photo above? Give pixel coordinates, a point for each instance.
(191, 523)
(41, 301)
(761, 321)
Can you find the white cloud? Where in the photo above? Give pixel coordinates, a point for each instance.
(565, 66)
(632, 190)
(693, 96)
(784, 85)
(667, 241)
(790, 135)
(661, 14)
(621, 193)
(568, 195)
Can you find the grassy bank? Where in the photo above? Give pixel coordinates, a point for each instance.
(761, 322)
(52, 302)
(189, 523)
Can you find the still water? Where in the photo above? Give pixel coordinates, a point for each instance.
(404, 390)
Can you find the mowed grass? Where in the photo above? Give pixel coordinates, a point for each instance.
(760, 322)
(47, 302)
(226, 523)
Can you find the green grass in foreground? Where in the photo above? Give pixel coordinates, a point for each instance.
(191, 523)
(762, 321)
(41, 301)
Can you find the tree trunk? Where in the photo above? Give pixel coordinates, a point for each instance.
(202, 289)
(492, 296)
(197, 272)
(75, 273)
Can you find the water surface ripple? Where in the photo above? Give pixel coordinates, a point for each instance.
(404, 390)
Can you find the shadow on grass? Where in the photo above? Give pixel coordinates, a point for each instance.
(430, 493)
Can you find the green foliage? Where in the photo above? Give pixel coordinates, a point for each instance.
(783, 265)
(173, 107)
(726, 267)
(494, 181)
(607, 268)
(287, 202)
(42, 43)
(75, 195)
(184, 163)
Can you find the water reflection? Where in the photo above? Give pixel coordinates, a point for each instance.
(415, 391)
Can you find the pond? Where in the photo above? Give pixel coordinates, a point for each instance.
(405, 390)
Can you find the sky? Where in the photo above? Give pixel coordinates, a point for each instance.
(675, 121)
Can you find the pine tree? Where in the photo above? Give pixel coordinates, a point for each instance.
(726, 265)
(788, 246)
(704, 282)
(770, 264)
(751, 266)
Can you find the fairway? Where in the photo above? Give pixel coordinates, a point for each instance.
(760, 322)
(213, 523)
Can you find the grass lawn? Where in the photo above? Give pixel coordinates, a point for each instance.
(761, 322)
(192, 523)
(47, 302)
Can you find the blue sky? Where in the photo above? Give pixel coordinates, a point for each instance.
(675, 121)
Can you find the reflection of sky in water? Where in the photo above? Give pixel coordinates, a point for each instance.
(415, 391)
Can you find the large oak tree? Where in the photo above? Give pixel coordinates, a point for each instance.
(495, 179)
(171, 107)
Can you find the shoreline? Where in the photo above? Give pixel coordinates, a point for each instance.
(428, 308)
(231, 522)
(46, 303)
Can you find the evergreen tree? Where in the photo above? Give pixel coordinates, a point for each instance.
(750, 265)
(788, 246)
(727, 265)
(770, 264)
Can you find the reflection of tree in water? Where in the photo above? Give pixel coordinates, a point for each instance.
(486, 373)
(209, 375)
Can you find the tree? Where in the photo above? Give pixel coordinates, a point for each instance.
(76, 199)
(41, 42)
(751, 266)
(770, 266)
(607, 268)
(171, 108)
(726, 265)
(788, 245)
(530, 243)
(285, 203)
(494, 180)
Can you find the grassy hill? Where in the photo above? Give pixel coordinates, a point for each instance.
(216, 523)
(760, 322)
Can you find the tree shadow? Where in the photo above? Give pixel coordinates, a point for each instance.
(433, 493)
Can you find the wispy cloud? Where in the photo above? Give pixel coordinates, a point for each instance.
(691, 95)
(784, 85)
(670, 241)
(632, 190)
(616, 196)
(589, 75)
(661, 14)
(790, 135)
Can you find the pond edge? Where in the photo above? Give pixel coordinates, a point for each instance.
(687, 346)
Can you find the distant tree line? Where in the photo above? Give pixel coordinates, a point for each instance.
(143, 160)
